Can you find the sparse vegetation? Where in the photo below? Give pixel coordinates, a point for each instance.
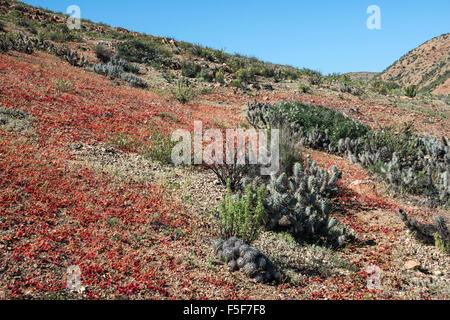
(143, 52)
(161, 148)
(103, 54)
(184, 92)
(384, 87)
(220, 78)
(63, 85)
(242, 217)
(120, 68)
(87, 175)
(304, 88)
(411, 91)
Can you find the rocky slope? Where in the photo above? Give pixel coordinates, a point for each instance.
(427, 67)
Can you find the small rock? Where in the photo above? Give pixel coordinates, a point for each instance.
(411, 265)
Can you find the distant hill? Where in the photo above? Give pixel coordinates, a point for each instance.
(427, 67)
(362, 76)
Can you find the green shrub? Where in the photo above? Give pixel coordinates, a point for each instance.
(63, 85)
(246, 75)
(161, 148)
(337, 77)
(315, 79)
(236, 83)
(384, 87)
(58, 33)
(142, 52)
(123, 141)
(103, 54)
(184, 92)
(220, 78)
(441, 244)
(205, 75)
(411, 91)
(190, 69)
(244, 216)
(304, 88)
(322, 118)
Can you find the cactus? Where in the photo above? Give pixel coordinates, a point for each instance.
(115, 68)
(240, 256)
(300, 203)
(410, 163)
(20, 42)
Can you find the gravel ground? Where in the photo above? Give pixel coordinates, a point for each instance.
(409, 269)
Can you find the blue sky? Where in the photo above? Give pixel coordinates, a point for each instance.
(329, 36)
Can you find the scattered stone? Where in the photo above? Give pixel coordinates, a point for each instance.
(411, 265)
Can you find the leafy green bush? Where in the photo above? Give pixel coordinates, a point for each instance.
(384, 87)
(315, 79)
(245, 75)
(142, 52)
(242, 217)
(337, 77)
(58, 33)
(236, 83)
(304, 88)
(123, 141)
(220, 77)
(161, 148)
(411, 91)
(324, 119)
(205, 75)
(190, 69)
(63, 85)
(184, 92)
(103, 53)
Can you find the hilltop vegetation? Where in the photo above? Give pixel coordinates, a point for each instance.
(427, 67)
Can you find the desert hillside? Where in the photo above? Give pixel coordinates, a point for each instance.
(427, 67)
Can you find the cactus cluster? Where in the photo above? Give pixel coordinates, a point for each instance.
(71, 56)
(116, 68)
(20, 42)
(300, 204)
(240, 256)
(419, 165)
(416, 164)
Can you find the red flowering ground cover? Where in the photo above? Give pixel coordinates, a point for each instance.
(54, 215)
(134, 240)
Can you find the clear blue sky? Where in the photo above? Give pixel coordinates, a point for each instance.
(329, 36)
